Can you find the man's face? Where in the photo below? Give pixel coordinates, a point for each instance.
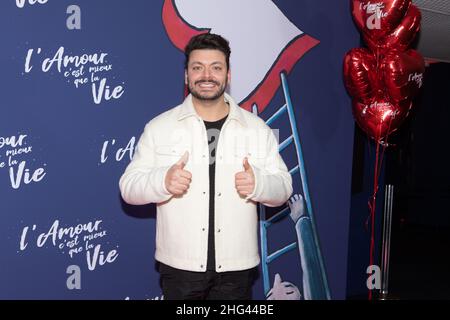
(207, 75)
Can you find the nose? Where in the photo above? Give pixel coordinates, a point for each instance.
(206, 73)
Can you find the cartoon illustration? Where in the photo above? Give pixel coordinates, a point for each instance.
(260, 51)
(314, 286)
(283, 290)
(263, 57)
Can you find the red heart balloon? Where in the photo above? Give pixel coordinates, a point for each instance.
(377, 18)
(401, 37)
(403, 74)
(381, 117)
(360, 74)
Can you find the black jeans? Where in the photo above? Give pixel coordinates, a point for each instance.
(210, 285)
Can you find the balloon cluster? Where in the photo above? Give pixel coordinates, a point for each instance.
(384, 78)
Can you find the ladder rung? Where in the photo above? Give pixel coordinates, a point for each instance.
(276, 114)
(280, 252)
(294, 170)
(277, 217)
(285, 143)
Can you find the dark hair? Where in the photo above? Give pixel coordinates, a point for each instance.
(208, 41)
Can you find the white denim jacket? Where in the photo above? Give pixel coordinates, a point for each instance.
(182, 221)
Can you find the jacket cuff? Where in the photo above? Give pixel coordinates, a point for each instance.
(162, 176)
(258, 184)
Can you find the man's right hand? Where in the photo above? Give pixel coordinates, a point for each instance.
(177, 179)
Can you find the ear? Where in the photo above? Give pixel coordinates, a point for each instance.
(229, 76)
(185, 77)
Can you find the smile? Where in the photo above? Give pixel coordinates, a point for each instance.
(207, 85)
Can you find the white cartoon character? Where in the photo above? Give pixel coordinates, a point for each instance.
(283, 290)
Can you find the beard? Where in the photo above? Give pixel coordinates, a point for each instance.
(209, 96)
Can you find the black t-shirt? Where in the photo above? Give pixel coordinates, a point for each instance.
(213, 131)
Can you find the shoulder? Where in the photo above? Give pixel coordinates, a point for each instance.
(163, 120)
(253, 121)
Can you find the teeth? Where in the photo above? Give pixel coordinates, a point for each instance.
(206, 85)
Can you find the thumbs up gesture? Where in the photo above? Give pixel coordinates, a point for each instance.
(245, 180)
(177, 179)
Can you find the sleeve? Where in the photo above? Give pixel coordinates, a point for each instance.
(273, 182)
(143, 182)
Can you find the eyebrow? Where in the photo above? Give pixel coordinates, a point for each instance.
(214, 62)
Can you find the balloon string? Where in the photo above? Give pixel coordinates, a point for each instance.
(378, 173)
(380, 165)
(372, 204)
(369, 151)
(372, 200)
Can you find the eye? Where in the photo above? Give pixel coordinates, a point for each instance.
(196, 68)
(217, 68)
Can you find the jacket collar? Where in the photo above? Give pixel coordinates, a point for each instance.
(187, 109)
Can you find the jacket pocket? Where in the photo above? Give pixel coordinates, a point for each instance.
(169, 154)
(249, 152)
(255, 156)
(171, 150)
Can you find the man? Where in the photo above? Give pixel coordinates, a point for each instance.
(206, 163)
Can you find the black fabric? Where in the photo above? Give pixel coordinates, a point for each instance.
(210, 285)
(213, 131)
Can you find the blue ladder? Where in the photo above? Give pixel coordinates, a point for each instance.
(317, 279)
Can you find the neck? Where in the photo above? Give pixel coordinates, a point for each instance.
(211, 110)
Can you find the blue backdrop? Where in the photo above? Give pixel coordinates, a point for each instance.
(79, 80)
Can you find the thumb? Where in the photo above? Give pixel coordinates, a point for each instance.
(246, 164)
(183, 160)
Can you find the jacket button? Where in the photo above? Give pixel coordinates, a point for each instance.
(219, 194)
(201, 266)
(204, 192)
(203, 229)
(220, 267)
(218, 230)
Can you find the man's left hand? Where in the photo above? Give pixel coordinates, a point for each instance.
(245, 180)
